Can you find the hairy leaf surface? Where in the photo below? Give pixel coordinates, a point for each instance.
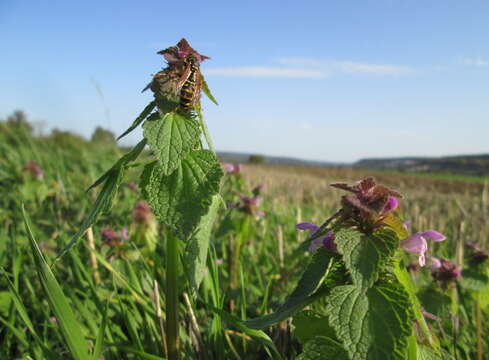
(309, 324)
(426, 353)
(365, 256)
(182, 198)
(196, 250)
(171, 137)
(373, 324)
(323, 348)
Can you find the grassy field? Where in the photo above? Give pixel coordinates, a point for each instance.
(113, 278)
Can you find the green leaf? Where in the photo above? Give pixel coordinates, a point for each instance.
(426, 353)
(123, 161)
(181, 199)
(144, 114)
(302, 295)
(207, 91)
(373, 325)
(435, 302)
(204, 128)
(474, 278)
(171, 137)
(484, 298)
(258, 335)
(396, 225)
(111, 179)
(323, 348)
(365, 256)
(20, 335)
(19, 304)
(198, 245)
(139, 353)
(102, 204)
(99, 343)
(309, 324)
(405, 280)
(59, 304)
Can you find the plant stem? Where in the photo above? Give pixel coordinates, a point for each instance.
(93, 258)
(159, 316)
(172, 292)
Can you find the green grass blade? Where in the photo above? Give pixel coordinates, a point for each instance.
(17, 333)
(70, 328)
(141, 354)
(99, 343)
(144, 114)
(19, 305)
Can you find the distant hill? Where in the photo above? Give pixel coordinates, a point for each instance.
(470, 165)
(242, 158)
(473, 165)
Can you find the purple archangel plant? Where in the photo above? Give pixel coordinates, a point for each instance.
(356, 270)
(180, 182)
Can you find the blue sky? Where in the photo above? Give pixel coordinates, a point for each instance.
(325, 80)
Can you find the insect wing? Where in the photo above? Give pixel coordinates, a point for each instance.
(198, 87)
(184, 77)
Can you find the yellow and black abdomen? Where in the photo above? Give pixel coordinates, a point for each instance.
(188, 91)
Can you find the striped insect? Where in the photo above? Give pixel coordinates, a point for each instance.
(190, 84)
(181, 79)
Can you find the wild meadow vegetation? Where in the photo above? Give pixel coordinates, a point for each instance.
(171, 254)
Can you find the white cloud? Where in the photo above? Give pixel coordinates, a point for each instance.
(374, 69)
(263, 71)
(310, 68)
(476, 61)
(350, 67)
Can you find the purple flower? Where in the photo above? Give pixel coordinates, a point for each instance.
(34, 169)
(248, 205)
(112, 238)
(231, 205)
(435, 263)
(444, 270)
(368, 197)
(219, 261)
(142, 213)
(124, 234)
(326, 240)
(417, 244)
(108, 234)
(476, 254)
(391, 205)
(406, 224)
(232, 168)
